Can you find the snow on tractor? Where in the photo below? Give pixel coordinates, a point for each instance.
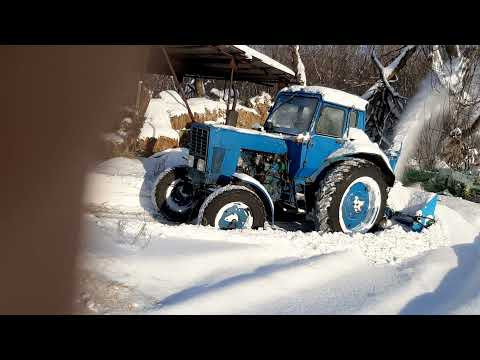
(311, 158)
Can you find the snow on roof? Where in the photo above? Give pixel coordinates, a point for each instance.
(332, 95)
(249, 52)
(214, 62)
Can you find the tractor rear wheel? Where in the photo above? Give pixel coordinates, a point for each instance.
(351, 198)
(232, 207)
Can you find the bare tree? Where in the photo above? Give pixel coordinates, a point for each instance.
(298, 66)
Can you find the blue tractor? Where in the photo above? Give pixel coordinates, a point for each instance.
(311, 160)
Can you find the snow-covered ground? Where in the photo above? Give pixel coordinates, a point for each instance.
(151, 266)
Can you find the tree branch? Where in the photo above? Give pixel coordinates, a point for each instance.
(392, 69)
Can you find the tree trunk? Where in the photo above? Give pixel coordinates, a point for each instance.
(199, 87)
(298, 66)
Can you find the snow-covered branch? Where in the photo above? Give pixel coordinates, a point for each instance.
(383, 74)
(391, 70)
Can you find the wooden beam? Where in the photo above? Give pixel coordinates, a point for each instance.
(182, 94)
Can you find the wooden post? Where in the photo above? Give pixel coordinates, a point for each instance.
(279, 86)
(232, 116)
(230, 85)
(234, 105)
(137, 105)
(182, 94)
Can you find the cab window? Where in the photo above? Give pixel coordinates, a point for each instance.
(331, 122)
(353, 119)
(296, 113)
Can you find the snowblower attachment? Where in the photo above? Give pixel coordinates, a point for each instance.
(423, 218)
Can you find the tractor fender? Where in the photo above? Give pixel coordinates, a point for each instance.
(259, 189)
(379, 160)
(360, 146)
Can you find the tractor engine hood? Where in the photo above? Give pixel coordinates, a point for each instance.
(224, 146)
(230, 137)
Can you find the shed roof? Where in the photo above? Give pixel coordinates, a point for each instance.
(213, 62)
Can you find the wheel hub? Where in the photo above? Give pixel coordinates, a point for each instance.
(179, 195)
(234, 215)
(358, 205)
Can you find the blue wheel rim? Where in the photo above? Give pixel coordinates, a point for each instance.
(234, 216)
(360, 205)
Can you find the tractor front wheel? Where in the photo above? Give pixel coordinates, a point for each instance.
(172, 195)
(232, 207)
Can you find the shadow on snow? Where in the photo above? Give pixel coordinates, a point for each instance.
(262, 271)
(457, 288)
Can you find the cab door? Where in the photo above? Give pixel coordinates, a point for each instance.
(327, 136)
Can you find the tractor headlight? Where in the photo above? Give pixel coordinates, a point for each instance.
(190, 160)
(201, 165)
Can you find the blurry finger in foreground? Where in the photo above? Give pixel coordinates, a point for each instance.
(55, 102)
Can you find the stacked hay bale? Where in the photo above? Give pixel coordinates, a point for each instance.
(166, 121)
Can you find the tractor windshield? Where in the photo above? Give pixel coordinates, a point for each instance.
(293, 114)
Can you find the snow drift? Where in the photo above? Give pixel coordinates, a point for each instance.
(189, 269)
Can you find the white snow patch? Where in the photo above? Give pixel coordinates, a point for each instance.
(113, 138)
(201, 105)
(221, 94)
(169, 158)
(358, 136)
(263, 98)
(157, 116)
(249, 52)
(123, 185)
(121, 166)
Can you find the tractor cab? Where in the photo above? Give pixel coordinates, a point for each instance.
(316, 121)
(298, 109)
